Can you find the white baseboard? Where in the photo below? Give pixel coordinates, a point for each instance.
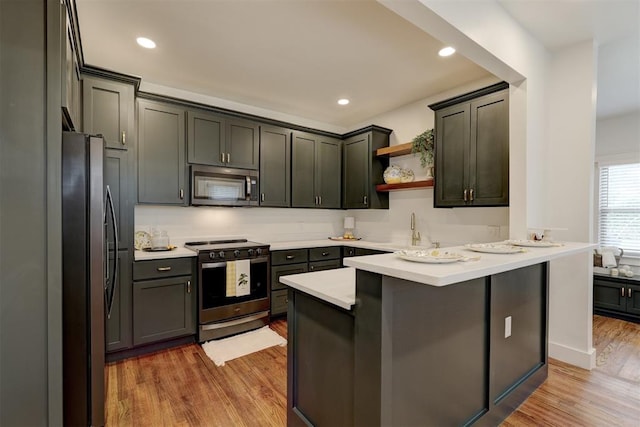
(573, 356)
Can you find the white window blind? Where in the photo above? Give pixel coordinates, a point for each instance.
(620, 207)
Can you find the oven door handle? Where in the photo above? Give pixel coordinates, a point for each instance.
(214, 264)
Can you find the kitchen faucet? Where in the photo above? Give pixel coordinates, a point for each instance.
(415, 235)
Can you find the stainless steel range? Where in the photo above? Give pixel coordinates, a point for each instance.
(223, 310)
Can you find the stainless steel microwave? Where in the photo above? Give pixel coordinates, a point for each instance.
(220, 186)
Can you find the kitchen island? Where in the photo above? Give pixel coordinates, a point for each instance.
(394, 342)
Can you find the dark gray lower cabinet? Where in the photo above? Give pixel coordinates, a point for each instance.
(617, 297)
(413, 354)
(278, 290)
(164, 305)
(118, 323)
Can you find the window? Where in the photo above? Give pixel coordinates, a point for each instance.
(620, 207)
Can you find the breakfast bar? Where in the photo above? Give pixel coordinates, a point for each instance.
(389, 341)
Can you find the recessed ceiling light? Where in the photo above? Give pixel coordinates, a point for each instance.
(146, 43)
(343, 101)
(447, 51)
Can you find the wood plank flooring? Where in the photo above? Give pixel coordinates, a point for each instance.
(182, 387)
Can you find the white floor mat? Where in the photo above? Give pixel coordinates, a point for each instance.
(231, 348)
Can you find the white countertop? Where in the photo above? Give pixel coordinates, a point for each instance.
(181, 251)
(337, 286)
(446, 274)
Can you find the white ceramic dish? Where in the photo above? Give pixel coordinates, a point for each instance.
(494, 248)
(534, 243)
(429, 256)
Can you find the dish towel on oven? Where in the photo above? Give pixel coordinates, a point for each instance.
(231, 279)
(243, 277)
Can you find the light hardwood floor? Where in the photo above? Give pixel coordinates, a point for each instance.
(182, 387)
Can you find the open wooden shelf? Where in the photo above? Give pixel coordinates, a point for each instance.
(394, 150)
(405, 185)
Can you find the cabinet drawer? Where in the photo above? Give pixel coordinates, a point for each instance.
(324, 265)
(279, 302)
(293, 256)
(319, 254)
(169, 267)
(283, 270)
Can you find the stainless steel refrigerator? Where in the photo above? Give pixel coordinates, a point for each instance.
(87, 278)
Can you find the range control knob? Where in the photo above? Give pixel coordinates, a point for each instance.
(250, 252)
(221, 254)
(259, 251)
(236, 253)
(212, 255)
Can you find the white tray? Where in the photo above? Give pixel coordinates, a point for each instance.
(494, 248)
(429, 256)
(534, 243)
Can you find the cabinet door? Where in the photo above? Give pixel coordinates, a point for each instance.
(608, 295)
(284, 270)
(489, 150)
(118, 332)
(302, 170)
(205, 138)
(163, 309)
(452, 155)
(117, 177)
(242, 144)
(633, 299)
(356, 174)
(328, 172)
(108, 110)
(71, 91)
(161, 151)
(275, 167)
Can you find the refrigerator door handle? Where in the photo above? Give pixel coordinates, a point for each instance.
(114, 276)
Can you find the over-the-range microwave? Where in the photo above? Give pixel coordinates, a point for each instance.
(220, 186)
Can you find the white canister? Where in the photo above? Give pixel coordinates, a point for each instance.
(614, 271)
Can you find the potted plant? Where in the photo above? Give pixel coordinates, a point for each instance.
(424, 144)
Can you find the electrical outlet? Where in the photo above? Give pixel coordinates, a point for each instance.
(507, 327)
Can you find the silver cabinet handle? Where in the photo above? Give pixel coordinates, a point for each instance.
(262, 197)
(188, 286)
(181, 194)
(124, 137)
(364, 199)
(464, 194)
(164, 268)
(319, 200)
(312, 268)
(228, 157)
(622, 292)
(290, 257)
(325, 253)
(629, 292)
(471, 195)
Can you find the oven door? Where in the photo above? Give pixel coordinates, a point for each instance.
(218, 186)
(215, 305)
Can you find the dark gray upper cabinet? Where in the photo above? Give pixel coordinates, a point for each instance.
(161, 154)
(205, 138)
(216, 140)
(275, 167)
(315, 171)
(362, 170)
(71, 87)
(108, 110)
(243, 146)
(472, 150)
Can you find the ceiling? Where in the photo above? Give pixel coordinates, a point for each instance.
(299, 57)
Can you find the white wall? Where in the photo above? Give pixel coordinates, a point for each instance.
(618, 138)
(510, 53)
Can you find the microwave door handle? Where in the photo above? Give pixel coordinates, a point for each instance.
(248, 187)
